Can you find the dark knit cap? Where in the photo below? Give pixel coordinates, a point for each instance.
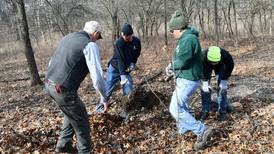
(127, 29)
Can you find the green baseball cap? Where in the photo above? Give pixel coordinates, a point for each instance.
(214, 54)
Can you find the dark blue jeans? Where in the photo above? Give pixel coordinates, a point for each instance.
(222, 98)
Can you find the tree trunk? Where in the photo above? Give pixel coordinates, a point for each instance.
(183, 6)
(126, 16)
(15, 23)
(261, 22)
(49, 27)
(39, 27)
(216, 22)
(34, 75)
(201, 17)
(251, 24)
(220, 28)
(18, 29)
(145, 27)
(115, 24)
(265, 20)
(226, 22)
(235, 19)
(270, 21)
(63, 28)
(229, 20)
(151, 28)
(141, 25)
(194, 19)
(157, 27)
(208, 21)
(165, 24)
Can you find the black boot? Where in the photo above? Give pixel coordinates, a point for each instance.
(222, 117)
(66, 149)
(204, 115)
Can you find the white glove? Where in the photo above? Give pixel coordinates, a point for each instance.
(124, 79)
(101, 106)
(223, 85)
(50, 61)
(131, 67)
(206, 87)
(169, 70)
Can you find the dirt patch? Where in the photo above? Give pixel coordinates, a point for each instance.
(142, 98)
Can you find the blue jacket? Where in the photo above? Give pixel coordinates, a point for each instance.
(125, 53)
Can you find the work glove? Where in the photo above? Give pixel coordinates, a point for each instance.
(101, 106)
(223, 85)
(49, 61)
(124, 80)
(169, 70)
(206, 87)
(131, 67)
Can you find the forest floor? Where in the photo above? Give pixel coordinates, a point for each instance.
(30, 121)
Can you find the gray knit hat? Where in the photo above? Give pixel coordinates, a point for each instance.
(178, 20)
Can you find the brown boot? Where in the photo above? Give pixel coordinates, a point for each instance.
(203, 138)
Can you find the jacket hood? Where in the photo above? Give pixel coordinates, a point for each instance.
(191, 30)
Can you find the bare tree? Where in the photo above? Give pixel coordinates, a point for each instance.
(216, 22)
(34, 75)
(112, 8)
(215, 19)
(166, 41)
(271, 18)
(187, 7)
(235, 19)
(67, 14)
(200, 12)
